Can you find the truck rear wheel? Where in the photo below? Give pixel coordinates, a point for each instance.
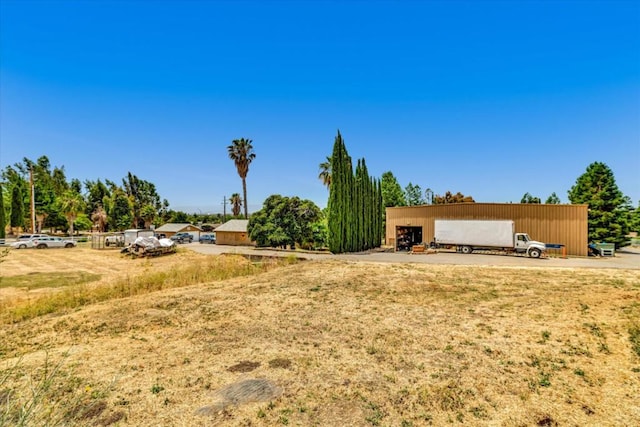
(466, 249)
(534, 253)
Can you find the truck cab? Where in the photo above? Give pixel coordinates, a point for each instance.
(524, 244)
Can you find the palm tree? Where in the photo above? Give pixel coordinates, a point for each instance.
(40, 217)
(241, 152)
(236, 204)
(71, 203)
(99, 217)
(325, 172)
(148, 214)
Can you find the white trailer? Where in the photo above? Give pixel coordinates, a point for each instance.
(469, 235)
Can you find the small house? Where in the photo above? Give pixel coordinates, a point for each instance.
(170, 229)
(234, 232)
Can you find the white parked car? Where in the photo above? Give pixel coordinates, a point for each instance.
(24, 237)
(22, 244)
(53, 242)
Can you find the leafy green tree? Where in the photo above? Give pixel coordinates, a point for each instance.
(3, 220)
(413, 195)
(320, 233)
(178, 217)
(528, 198)
(71, 204)
(236, 204)
(553, 199)
(285, 221)
(452, 198)
(163, 213)
(634, 220)
(141, 193)
(60, 184)
(325, 172)
(75, 186)
(392, 194)
(96, 192)
(608, 207)
(48, 186)
(120, 217)
(241, 152)
(82, 222)
(45, 196)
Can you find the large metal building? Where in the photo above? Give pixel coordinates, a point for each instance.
(552, 224)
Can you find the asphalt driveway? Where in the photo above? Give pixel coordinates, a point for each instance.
(626, 258)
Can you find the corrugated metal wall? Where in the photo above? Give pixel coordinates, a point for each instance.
(233, 238)
(562, 224)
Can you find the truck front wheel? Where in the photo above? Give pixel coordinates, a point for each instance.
(466, 249)
(534, 253)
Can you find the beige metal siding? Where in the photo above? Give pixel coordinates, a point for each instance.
(233, 238)
(562, 224)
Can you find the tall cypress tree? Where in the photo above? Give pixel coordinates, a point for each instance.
(354, 204)
(17, 206)
(337, 198)
(364, 208)
(3, 220)
(358, 231)
(380, 214)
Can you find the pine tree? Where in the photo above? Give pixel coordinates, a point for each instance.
(553, 199)
(608, 207)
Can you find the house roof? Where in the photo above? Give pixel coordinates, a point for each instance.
(175, 227)
(234, 225)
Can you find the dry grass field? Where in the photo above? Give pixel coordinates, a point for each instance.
(341, 343)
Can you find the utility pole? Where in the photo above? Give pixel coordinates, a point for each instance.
(224, 209)
(33, 201)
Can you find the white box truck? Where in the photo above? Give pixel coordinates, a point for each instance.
(469, 235)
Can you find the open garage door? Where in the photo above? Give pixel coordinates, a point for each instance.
(406, 237)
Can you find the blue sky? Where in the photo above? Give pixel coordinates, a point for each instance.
(492, 99)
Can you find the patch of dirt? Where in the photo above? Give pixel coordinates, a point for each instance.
(546, 421)
(253, 390)
(280, 363)
(112, 418)
(244, 366)
(94, 410)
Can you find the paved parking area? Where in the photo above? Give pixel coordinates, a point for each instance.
(626, 258)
